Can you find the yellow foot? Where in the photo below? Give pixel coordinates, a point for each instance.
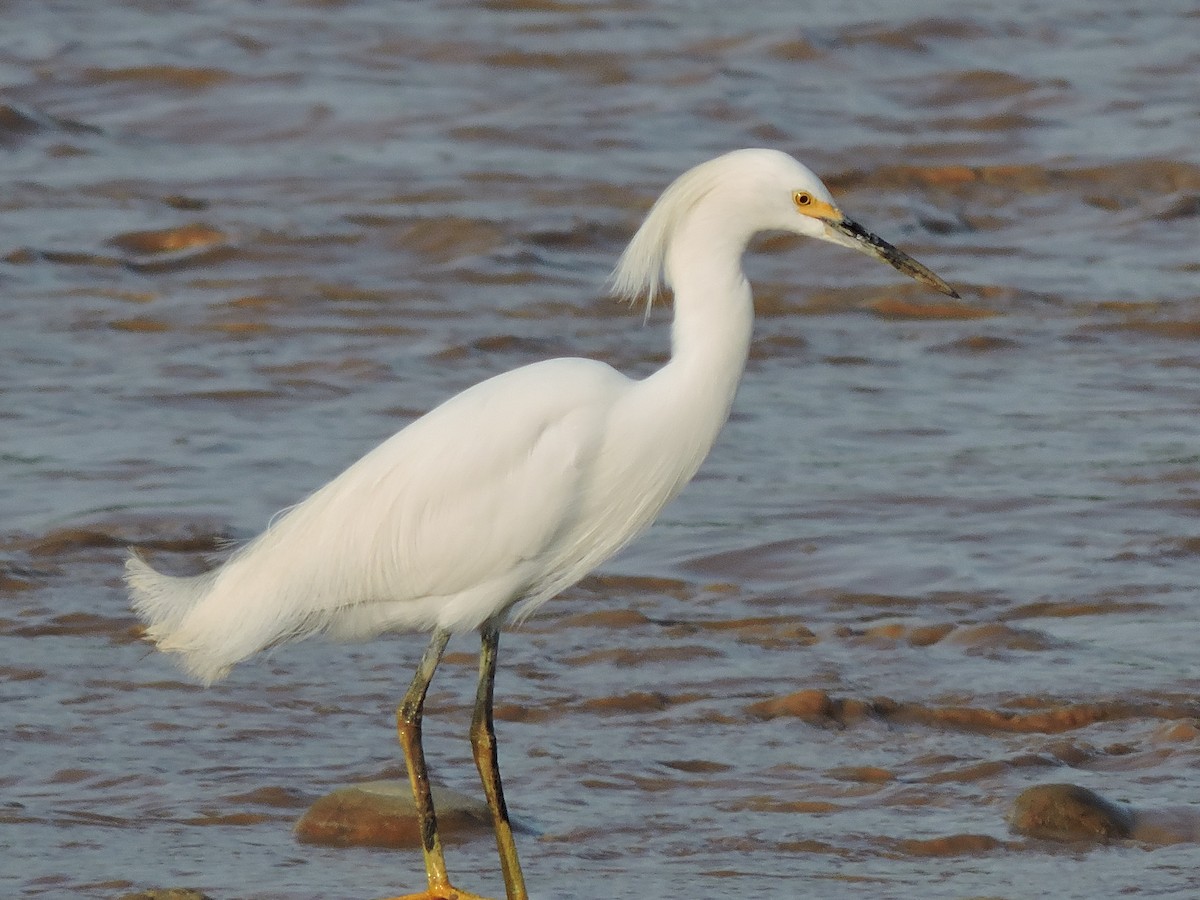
(445, 892)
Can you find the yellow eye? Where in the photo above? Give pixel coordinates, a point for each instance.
(802, 199)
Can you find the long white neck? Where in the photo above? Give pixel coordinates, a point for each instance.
(710, 335)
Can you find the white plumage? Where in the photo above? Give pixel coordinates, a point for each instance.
(497, 496)
(509, 492)
(518, 487)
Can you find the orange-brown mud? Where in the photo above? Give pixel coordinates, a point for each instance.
(944, 552)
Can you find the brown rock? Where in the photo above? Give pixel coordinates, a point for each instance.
(806, 704)
(167, 894)
(925, 635)
(382, 814)
(865, 774)
(633, 702)
(169, 240)
(897, 308)
(951, 845)
(1067, 812)
(1173, 825)
(1176, 732)
(891, 631)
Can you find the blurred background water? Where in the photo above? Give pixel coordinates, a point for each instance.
(244, 242)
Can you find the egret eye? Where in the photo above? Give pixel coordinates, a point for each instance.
(802, 199)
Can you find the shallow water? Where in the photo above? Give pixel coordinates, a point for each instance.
(244, 242)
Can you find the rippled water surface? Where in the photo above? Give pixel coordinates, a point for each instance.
(244, 242)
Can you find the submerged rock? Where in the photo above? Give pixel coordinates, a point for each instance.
(167, 894)
(382, 814)
(1067, 812)
(1170, 825)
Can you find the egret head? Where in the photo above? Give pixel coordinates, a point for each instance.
(742, 193)
(833, 226)
(800, 203)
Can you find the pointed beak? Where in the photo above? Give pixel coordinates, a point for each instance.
(848, 233)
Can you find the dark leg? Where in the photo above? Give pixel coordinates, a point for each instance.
(483, 745)
(408, 723)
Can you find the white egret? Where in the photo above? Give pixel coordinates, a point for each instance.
(481, 510)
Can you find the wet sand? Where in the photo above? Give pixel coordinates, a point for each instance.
(942, 553)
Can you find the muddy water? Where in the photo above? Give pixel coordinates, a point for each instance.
(941, 553)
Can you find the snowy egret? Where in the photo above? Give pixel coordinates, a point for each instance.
(481, 510)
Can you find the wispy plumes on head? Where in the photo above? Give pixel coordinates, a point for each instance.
(639, 272)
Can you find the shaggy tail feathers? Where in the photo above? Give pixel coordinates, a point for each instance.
(162, 602)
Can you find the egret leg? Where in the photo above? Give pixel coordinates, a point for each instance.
(408, 724)
(483, 745)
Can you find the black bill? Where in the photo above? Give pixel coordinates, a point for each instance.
(849, 233)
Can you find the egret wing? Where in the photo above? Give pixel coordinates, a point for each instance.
(449, 521)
